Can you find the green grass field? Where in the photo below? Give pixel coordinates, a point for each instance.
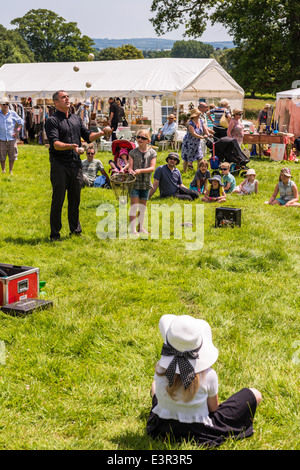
(78, 376)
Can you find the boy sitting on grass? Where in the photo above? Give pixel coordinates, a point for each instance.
(228, 178)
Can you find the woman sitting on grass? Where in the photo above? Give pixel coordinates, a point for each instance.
(185, 402)
(214, 192)
(287, 189)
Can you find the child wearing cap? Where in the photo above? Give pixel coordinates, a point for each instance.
(249, 185)
(228, 178)
(287, 189)
(185, 403)
(214, 192)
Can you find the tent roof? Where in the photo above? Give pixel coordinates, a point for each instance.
(294, 93)
(144, 77)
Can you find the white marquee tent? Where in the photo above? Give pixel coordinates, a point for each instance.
(293, 93)
(182, 80)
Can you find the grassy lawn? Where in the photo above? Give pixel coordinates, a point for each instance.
(77, 376)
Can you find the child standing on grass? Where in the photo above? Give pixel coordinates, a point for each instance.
(249, 185)
(214, 192)
(142, 161)
(228, 178)
(287, 189)
(202, 175)
(185, 402)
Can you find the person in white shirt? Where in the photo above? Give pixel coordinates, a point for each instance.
(185, 402)
(167, 130)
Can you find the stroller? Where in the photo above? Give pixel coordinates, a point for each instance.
(228, 150)
(119, 147)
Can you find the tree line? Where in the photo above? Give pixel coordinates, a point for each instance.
(266, 36)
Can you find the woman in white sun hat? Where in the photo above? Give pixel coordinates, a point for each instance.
(185, 401)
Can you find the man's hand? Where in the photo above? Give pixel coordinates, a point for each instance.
(107, 130)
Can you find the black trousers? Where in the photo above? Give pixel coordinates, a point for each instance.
(186, 193)
(65, 179)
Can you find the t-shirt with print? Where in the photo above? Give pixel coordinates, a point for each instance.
(90, 169)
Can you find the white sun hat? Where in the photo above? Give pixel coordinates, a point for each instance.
(185, 333)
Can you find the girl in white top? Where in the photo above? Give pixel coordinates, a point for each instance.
(185, 402)
(249, 185)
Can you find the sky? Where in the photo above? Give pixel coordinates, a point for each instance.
(115, 19)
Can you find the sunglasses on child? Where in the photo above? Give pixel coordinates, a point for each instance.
(142, 137)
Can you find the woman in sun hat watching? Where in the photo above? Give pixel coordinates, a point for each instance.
(185, 401)
(287, 190)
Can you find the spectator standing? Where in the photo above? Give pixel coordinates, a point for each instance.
(10, 125)
(191, 149)
(263, 115)
(142, 161)
(217, 114)
(113, 119)
(236, 128)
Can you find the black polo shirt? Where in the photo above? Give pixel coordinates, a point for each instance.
(68, 130)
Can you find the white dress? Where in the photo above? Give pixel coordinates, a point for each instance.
(248, 187)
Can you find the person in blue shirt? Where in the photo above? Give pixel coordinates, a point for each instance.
(167, 130)
(10, 125)
(228, 178)
(168, 179)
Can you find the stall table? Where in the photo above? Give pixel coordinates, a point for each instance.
(270, 139)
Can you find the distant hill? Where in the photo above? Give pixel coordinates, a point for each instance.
(150, 44)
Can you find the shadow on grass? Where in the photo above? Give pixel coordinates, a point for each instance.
(26, 241)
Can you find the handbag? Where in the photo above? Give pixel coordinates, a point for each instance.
(224, 121)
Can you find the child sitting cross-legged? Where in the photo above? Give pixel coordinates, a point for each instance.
(185, 389)
(215, 190)
(287, 189)
(202, 175)
(228, 178)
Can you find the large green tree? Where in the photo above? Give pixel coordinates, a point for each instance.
(191, 49)
(125, 52)
(266, 34)
(13, 48)
(51, 38)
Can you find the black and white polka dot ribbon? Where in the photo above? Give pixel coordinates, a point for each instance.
(186, 370)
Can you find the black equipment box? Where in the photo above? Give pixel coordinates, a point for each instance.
(228, 217)
(23, 307)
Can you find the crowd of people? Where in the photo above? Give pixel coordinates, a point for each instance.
(69, 173)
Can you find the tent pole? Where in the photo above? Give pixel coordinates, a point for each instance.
(177, 108)
(130, 108)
